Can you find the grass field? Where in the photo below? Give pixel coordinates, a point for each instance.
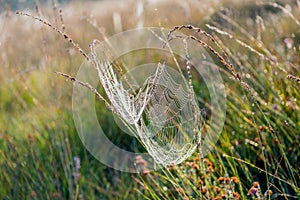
(257, 155)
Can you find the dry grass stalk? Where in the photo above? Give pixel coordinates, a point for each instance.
(227, 64)
(67, 37)
(243, 44)
(88, 86)
(62, 20)
(39, 13)
(58, 14)
(199, 30)
(260, 27)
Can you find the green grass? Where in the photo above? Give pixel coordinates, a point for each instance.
(259, 142)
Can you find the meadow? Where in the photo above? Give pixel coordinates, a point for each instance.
(257, 155)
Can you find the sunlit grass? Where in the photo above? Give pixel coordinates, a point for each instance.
(259, 142)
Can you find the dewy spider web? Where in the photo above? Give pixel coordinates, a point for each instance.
(162, 112)
(127, 105)
(170, 135)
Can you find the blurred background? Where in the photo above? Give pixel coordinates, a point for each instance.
(257, 156)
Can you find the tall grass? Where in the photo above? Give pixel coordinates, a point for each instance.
(256, 48)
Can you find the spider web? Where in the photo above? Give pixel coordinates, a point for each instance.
(170, 135)
(164, 113)
(129, 106)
